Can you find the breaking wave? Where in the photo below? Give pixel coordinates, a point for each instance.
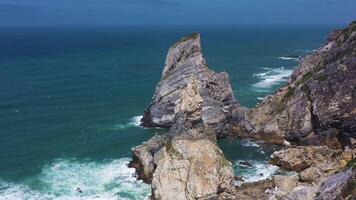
(258, 171)
(249, 143)
(61, 179)
(271, 77)
(288, 58)
(133, 122)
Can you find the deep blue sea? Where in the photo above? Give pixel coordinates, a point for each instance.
(71, 100)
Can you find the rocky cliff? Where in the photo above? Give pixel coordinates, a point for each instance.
(185, 59)
(320, 173)
(185, 163)
(317, 106)
(316, 110)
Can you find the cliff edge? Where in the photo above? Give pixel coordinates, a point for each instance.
(317, 106)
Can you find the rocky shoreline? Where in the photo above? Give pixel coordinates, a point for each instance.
(313, 117)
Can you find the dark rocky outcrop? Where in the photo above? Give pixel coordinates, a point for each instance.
(185, 59)
(317, 106)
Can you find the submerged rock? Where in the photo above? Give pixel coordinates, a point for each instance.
(245, 164)
(184, 60)
(317, 106)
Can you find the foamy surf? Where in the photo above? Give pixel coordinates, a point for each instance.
(271, 77)
(133, 122)
(259, 171)
(61, 179)
(288, 58)
(249, 143)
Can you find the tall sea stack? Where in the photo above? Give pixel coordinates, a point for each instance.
(185, 59)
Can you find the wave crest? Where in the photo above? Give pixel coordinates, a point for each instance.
(60, 180)
(271, 77)
(259, 171)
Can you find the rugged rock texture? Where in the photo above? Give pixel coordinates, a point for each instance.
(143, 157)
(338, 186)
(317, 106)
(322, 159)
(192, 169)
(320, 174)
(185, 59)
(253, 191)
(186, 163)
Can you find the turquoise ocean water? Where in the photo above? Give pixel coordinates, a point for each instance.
(71, 99)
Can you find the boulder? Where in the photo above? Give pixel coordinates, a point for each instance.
(311, 174)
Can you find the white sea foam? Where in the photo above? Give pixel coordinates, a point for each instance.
(288, 58)
(134, 121)
(11, 191)
(271, 77)
(262, 171)
(97, 180)
(249, 143)
(259, 171)
(260, 98)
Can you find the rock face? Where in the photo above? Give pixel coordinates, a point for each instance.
(317, 109)
(301, 157)
(317, 106)
(192, 169)
(185, 59)
(186, 163)
(313, 162)
(319, 174)
(337, 186)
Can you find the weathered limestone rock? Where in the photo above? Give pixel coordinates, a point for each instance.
(143, 157)
(317, 106)
(192, 170)
(253, 191)
(186, 163)
(183, 61)
(336, 186)
(301, 193)
(311, 174)
(285, 184)
(191, 102)
(303, 157)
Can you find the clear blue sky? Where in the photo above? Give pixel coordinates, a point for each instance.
(171, 12)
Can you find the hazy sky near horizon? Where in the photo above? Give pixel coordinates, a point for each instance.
(172, 12)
